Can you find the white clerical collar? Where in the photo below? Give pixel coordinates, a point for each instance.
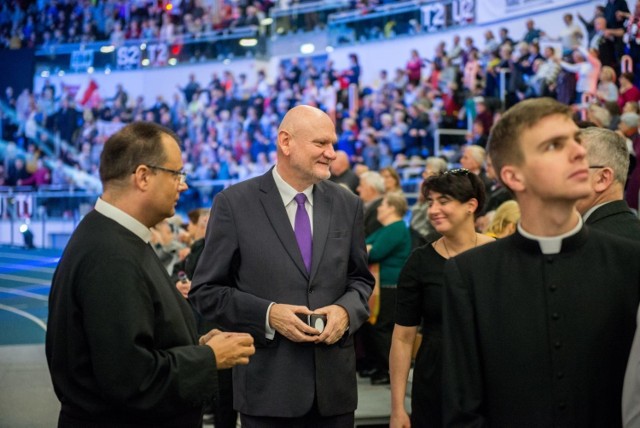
(551, 244)
(287, 192)
(123, 219)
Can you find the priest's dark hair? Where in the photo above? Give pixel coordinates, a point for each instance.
(139, 143)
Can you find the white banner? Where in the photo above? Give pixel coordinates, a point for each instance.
(107, 129)
(502, 10)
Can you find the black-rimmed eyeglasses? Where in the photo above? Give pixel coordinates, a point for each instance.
(180, 175)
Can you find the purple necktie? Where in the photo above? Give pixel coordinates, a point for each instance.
(302, 230)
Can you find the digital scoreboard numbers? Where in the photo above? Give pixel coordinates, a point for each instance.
(437, 16)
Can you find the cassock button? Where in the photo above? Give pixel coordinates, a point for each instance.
(549, 259)
(562, 405)
(560, 375)
(553, 287)
(555, 316)
(557, 344)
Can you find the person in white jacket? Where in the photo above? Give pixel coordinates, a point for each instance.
(587, 67)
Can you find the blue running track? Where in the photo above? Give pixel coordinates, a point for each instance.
(25, 281)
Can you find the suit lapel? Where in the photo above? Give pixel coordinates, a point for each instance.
(322, 204)
(277, 215)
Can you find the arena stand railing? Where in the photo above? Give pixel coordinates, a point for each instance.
(304, 17)
(403, 18)
(140, 53)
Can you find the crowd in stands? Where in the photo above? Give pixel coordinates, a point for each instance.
(34, 23)
(228, 126)
(40, 24)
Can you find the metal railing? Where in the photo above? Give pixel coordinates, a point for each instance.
(51, 213)
(142, 53)
(307, 16)
(444, 145)
(401, 18)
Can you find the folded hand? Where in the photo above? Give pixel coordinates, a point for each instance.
(284, 320)
(337, 324)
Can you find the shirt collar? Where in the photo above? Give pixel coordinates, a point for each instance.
(592, 209)
(123, 219)
(551, 244)
(287, 192)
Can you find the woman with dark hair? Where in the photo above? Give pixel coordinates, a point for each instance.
(454, 198)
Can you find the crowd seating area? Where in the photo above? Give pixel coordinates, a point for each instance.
(227, 126)
(38, 24)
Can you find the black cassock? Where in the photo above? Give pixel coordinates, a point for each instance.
(534, 340)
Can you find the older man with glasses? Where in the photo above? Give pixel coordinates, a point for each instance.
(605, 208)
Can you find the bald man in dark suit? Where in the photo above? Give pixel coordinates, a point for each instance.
(259, 272)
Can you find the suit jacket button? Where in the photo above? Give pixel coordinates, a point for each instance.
(311, 291)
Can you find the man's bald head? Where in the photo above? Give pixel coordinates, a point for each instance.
(305, 146)
(301, 117)
(340, 163)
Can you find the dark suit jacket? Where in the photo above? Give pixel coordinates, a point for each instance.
(530, 338)
(348, 178)
(371, 223)
(188, 265)
(496, 196)
(616, 218)
(120, 338)
(251, 259)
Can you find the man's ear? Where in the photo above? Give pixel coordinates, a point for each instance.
(512, 177)
(284, 142)
(603, 179)
(140, 178)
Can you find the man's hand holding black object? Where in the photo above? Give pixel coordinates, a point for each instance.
(284, 319)
(336, 325)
